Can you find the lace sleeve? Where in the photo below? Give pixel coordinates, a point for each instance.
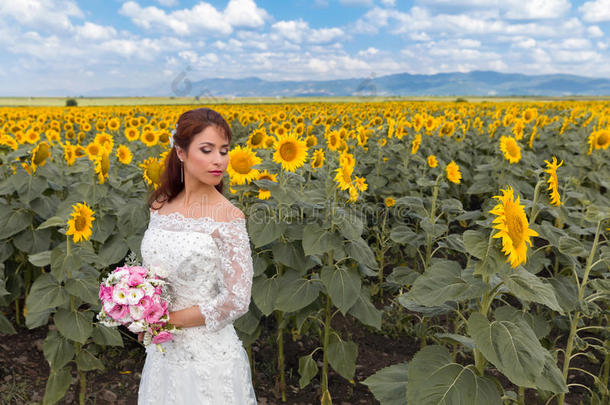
(236, 276)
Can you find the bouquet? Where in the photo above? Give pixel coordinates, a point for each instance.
(131, 295)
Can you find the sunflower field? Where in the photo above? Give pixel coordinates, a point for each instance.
(486, 224)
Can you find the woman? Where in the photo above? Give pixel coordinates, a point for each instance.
(198, 241)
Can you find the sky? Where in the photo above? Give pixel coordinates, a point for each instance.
(73, 47)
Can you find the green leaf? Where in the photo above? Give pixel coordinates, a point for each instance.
(389, 385)
(403, 234)
(29, 241)
(443, 282)
(433, 230)
(454, 338)
(46, 292)
(263, 231)
(86, 289)
(113, 250)
(360, 251)
(57, 385)
(342, 284)
(566, 292)
(40, 259)
(350, 226)
(475, 243)
(74, 325)
(317, 240)
(53, 221)
(538, 324)
(297, 294)
(6, 327)
(14, 221)
(528, 287)
(290, 254)
(86, 361)
(551, 378)
(264, 293)
(62, 263)
(307, 370)
(403, 275)
(57, 350)
(512, 348)
(571, 247)
(342, 356)
(105, 336)
(364, 310)
(32, 188)
(36, 319)
(435, 379)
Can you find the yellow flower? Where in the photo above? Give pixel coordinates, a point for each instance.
(114, 124)
(257, 139)
(344, 177)
(432, 161)
(80, 224)
(32, 136)
(447, 129)
(264, 194)
(510, 148)
(518, 129)
(333, 140)
(513, 228)
(102, 165)
(69, 153)
(416, 143)
(152, 171)
(106, 140)
(453, 172)
(360, 183)
(599, 140)
(530, 114)
(311, 141)
(347, 159)
(149, 138)
(124, 154)
(39, 155)
(241, 160)
(290, 152)
(93, 149)
(551, 169)
(132, 134)
(389, 202)
(317, 160)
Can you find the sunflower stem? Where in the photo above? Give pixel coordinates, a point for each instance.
(534, 212)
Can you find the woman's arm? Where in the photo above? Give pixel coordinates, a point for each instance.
(187, 318)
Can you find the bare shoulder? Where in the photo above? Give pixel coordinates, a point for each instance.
(229, 212)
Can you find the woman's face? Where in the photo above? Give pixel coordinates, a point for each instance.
(208, 156)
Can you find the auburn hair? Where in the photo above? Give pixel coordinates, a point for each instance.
(189, 124)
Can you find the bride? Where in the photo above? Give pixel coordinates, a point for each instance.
(198, 241)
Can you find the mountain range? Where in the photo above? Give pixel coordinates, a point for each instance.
(475, 83)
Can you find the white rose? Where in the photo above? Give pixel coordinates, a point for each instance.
(137, 326)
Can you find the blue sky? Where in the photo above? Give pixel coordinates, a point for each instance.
(72, 47)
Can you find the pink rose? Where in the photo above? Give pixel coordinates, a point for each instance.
(145, 302)
(153, 313)
(158, 290)
(118, 312)
(162, 337)
(142, 271)
(135, 279)
(105, 293)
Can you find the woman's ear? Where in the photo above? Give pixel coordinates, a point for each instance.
(180, 152)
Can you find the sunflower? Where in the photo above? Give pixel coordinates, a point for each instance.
(106, 140)
(124, 154)
(432, 161)
(93, 149)
(447, 129)
(40, 154)
(453, 172)
(347, 159)
(599, 140)
(264, 194)
(511, 222)
(149, 138)
(360, 183)
(241, 160)
(417, 122)
(114, 124)
(102, 165)
(344, 177)
(551, 169)
(510, 148)
(290, 152)
(317, 160)
(389, 202)
(333, 140)
(518, 129)
(152, 171)
(257, 139)
(529, 114)
(79, 151)
(80, 224)
(132, 134)
(415, 144)
(9, 141)
(311, 141)
(69, 153)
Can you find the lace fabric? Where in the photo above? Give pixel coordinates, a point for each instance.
(207, 264)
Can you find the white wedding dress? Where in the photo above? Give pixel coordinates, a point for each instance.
(207, 264)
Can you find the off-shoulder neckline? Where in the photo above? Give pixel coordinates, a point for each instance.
(180, 216)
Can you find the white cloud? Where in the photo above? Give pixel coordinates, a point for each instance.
(356, 2)
(93, 31)
(52, 14)
(536, 9)
(167, 3)
(298, 31)
(596, 11)
(595, 32)
(370, 51)
(388, 3)
(203, 17)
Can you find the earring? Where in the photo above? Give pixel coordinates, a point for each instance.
(181, 172)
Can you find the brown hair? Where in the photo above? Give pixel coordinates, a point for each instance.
(189, 124)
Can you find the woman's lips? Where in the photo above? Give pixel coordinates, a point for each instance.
(216, 172)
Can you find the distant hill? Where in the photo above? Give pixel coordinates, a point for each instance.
(475, 83)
